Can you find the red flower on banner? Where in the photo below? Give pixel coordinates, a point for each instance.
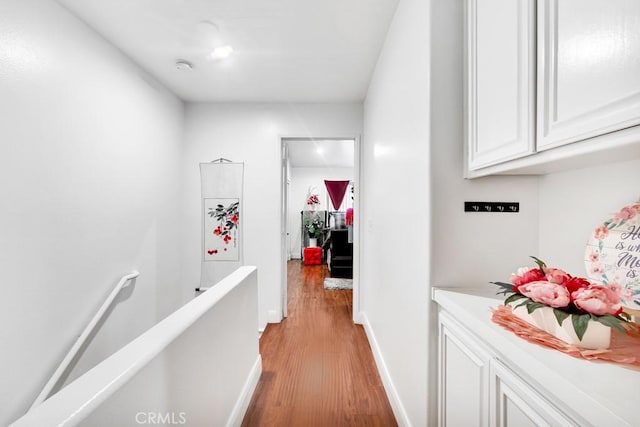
(217, 231)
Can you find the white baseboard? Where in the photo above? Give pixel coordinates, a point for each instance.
(358, 319)
(274, 316)
(392, 394)
(242, 404)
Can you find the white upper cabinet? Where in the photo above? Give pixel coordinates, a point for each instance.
(551, 84)
(500, 78)
(588, 69)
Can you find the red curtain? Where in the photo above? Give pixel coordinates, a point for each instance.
(336, 190)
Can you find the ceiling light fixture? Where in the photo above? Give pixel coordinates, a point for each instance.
(221, 52)
(181, 64)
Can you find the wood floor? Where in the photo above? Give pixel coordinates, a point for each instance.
(318, 369)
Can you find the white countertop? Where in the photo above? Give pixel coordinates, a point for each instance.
(599, 393)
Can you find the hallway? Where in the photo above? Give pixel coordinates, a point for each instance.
(318, 369)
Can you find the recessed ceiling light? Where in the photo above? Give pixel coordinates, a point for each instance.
(181, 64)
(221, 52)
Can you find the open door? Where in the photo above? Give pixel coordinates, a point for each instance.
(296, 152)
(284, 235)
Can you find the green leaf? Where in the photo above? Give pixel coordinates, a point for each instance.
(610, 321)
(525, 302)
(532, 306)
(541, 264)
(560, 315)
(580, 323)
(503, 284)
(512, 298)
(505, 288)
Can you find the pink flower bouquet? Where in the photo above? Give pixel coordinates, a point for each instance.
(542, 286)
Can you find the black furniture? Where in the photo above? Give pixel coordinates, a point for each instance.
(341, 254)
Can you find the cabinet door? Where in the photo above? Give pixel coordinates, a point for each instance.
(515, 404)
(588, 69)
(462, 377)
(500, 81)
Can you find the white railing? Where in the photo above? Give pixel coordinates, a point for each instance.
(61, 371)
(198, 366)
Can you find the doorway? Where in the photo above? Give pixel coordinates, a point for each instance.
(306, 163)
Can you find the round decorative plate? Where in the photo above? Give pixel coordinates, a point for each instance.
(613, 252)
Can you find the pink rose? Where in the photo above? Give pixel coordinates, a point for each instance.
(594, 257)
(601, 232)
(598, 300)
(555, 275)
(525, 275)
(551, 294)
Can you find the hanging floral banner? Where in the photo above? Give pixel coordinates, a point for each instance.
(221, 221)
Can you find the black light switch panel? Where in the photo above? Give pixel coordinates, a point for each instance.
(500, 207)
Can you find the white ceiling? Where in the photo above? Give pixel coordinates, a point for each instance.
(284, 50)
(321, 153)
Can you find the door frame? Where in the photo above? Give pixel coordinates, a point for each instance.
(284, 256)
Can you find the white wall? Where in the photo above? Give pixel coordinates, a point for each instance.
(301, 180)
(574, 203)
(467, 249)
(413, 129)
(395, 235)
(89, 170)
(251, 133)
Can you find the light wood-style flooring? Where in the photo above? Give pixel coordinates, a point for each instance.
(318, 369)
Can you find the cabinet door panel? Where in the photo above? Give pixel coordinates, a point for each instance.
(516, 404)
(588, 69)
(463, 378)
(500, 81)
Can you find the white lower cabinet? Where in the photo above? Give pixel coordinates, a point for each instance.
(514, 403)
(476, 389)
(463, 377)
